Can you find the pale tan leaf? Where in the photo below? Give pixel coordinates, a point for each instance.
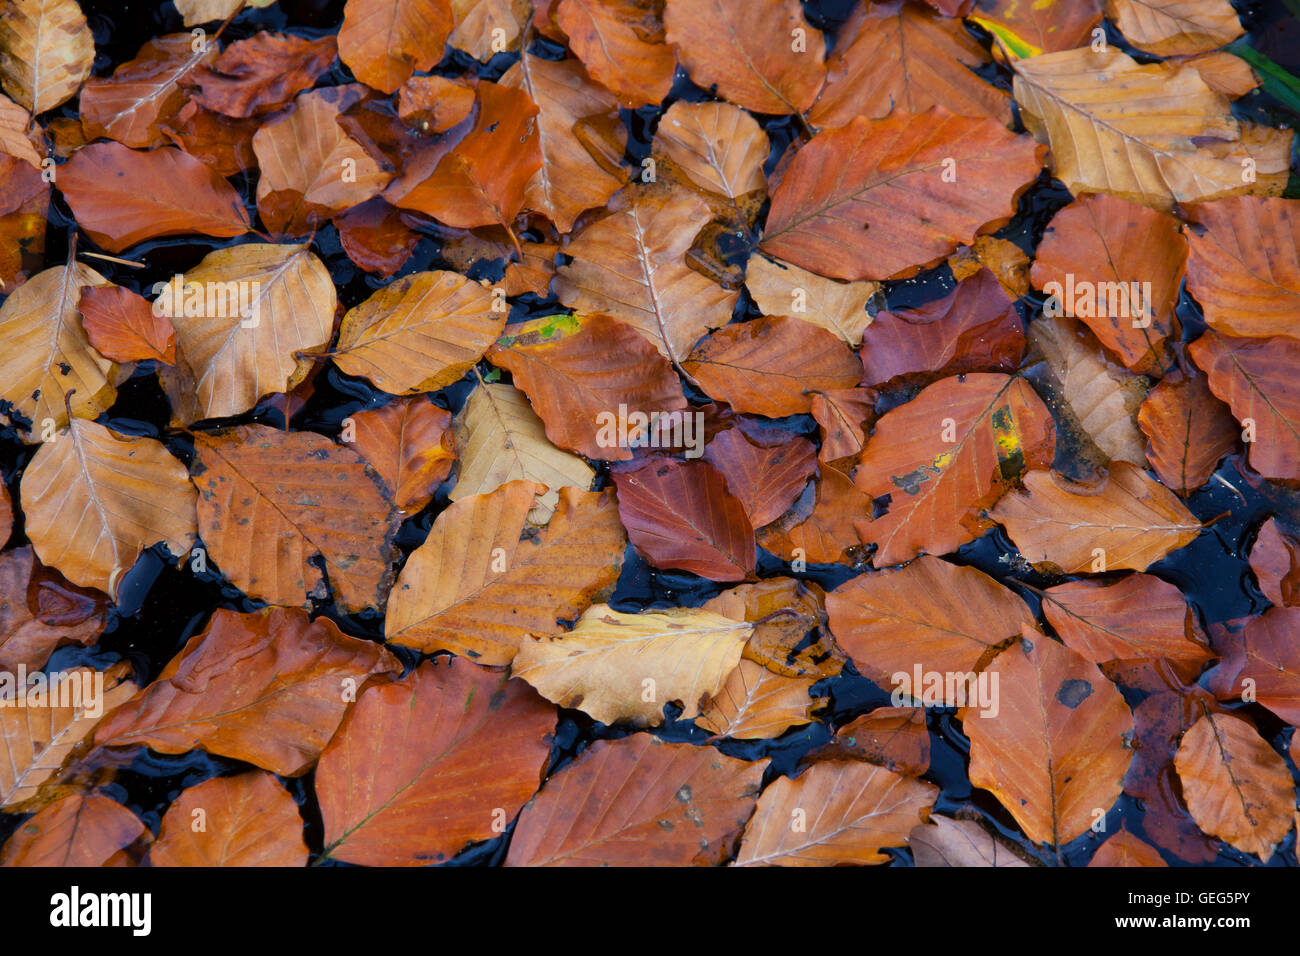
(46, 52)
(1175, 27)
(756, 703)
(719, 147)
(779, 288)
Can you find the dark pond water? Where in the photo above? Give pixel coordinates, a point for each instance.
(162, 607)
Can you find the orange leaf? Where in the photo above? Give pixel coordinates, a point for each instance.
(249, 820)
(893, 737)
(1124, 849)
(41, 611)
(621, 43)
(124, 327)
(411, 445)
(1188, 430)
(80, 830)
(1275, 559)
(261, 74)
(383, 42)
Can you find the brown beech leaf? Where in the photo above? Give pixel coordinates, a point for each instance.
(1057, 749)
(1188, 430)
(767, 57)
(842, 414)
(38, 740)
(46, 52)
(1099, 251)
(224, 144)
(766, 481)
(47, 365)
(1236, 786)
(374, 236)
(241, 316)
(626, 667)
(756, 703)
(1124, 849)
(1271, 662)
(974, 329)
(533, 273)
(948, 842)
(943, 458)
(582, 371)
(899, 54)
(779, 288)
(144, 94)
(1130, 521)
(501, 439)
(893, 737)
(483, 179)
(771, 365)
(1175, 27)
(1006, 260)
(81, 830)
(1039, 27)
(835, 813)
(434, 104)
(268, 688)
(18, 138)
(195, 12)
(419, 333)
(40, 611)
(423, 766)
(1153, 133)
(412, 447)
(1238, 269)
(1256, 378)
(621, 43)
(929, 614)
(273, 504)
(261, 74)
(891, 210)
(122, 326)
(1275, 559)
(121, 196)
(1225, 73)
(249, 820)
(631, 264)
(311, 168)
(1096, 399)
(680, 514)
(486, 27)
(24, 202)
(484, 580)
(783, 611)
(570, 180)
(95, 499)
(384, 42)
(819, 528)
(720, 148)
(639, 802)
(1138, 616)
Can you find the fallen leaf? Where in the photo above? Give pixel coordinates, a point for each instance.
(249, 820)
(46, 52)
(899, 54)
(1156, 133)
(244, 315)
(483, 581)
(1173, 27)
(928, 615)
(779, 288)
(1270, 661)
(1256, 378)
(41, 611)
(427, 764)
(892, 737)
(1275, 559)
(410, 445)
(1006, 260)
(375, 237)
(766, 58)
(784, 612)
(638, 802)
(48, 368)
(1124, 849)
(261, 74)
(943, 458)
(1031, 27)
(283, 513)
(835, 813)
(757, 704)
(487, 27)
(501, 439)
(976, 328)
(822, 531)
(625, 667)
(1058, 747)
(81, 830)
(123, 327)
(195, 12)
(621, 43)
(419, 333)
(1131, 521)
(632, 264)
(383, 42)
(947, 842)
(1188, 430)
(434, 104)
(720, 148)
(95, 499)
(891, 210)
(24, 203)
(268, 688)
(1235, 785)
(682, 515)
(766, 481)
(222, 143)
(1117, 267)
(1225, 73)
(842, 414)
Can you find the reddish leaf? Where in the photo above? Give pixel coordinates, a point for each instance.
(893, 737)
(124, 327)
(248, 820)
(1189, 430)
(766, 481)
(843, 414)
(40, 611)
(80, 830)
(261, 74)
(218, 141)
(1275, 559)
(820, 526)
(411, 445)
(375, 237)
(1124, 849)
